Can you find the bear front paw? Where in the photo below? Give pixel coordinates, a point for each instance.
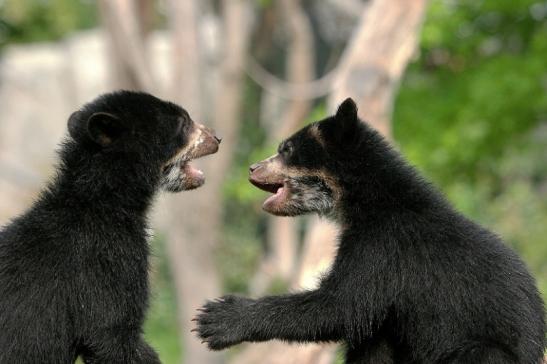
(222, 323)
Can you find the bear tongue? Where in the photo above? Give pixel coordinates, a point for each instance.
(194, 177)
(276, 199)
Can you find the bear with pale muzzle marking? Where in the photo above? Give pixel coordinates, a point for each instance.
(413, 280)
(74, 267)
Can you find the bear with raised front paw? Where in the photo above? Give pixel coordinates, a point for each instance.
(413, 281)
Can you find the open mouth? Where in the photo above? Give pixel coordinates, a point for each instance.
(194, 176)
(280, 191)
(180, 174)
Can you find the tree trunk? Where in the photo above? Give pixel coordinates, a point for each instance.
(372, 66)
(196, 218)
(282, 232)
(369, 71)
(126, 26)
(186, 55)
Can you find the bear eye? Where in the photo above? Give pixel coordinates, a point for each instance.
(176, 131)
(285, 149)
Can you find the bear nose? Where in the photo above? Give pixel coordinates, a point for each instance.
(254, 167)
(218, 139)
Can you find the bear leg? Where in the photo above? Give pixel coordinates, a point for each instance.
(122, 351)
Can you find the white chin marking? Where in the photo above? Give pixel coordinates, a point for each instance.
(171, 180)
(181, 177)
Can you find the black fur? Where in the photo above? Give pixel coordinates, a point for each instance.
(413, 281)
(74, 268)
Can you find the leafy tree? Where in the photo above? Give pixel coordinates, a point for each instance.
(41, 20)
(472, 114)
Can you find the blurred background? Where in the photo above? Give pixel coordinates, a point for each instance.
(460, 87)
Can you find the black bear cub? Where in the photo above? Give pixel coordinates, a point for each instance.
(413, 281)
(74, 268)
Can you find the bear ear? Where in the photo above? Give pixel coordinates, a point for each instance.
(347, 111)
(104, 128)
(346, 121)
(73, 124)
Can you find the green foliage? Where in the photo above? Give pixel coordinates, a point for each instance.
(264, 3)
(249, 150)
(240, 248)
(278, 286)
(161, 327)
(471, 114)
(42, 20)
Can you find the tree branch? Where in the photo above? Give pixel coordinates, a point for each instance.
(122, 21)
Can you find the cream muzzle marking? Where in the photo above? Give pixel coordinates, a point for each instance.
(177, 173)
(295, 190)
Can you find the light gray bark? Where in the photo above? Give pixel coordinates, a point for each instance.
(369, 71)
(196, 218)
(125, 31)
(282, 232)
